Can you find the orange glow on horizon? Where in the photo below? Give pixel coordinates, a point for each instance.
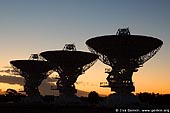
(147, 79)
(5, 86)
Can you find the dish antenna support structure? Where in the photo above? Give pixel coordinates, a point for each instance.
(124, 53)
(34, 71)
(69, 63)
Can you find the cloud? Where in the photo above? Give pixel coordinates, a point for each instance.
(19, 80)
(45, 87)
(12, 80)
(86, 83)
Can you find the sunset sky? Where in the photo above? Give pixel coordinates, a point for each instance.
(34, 26)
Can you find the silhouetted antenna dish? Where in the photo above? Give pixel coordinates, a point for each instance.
(125, 53)
(69, 63)
(34, 71)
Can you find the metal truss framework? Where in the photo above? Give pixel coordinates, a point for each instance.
(112, 61)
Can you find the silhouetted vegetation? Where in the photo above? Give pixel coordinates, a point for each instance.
(154, 99)
(92, 103)
(12, 96)
(49, 98)
(93, 97)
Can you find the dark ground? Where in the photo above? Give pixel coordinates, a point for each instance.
(150, 102)
(37, 108)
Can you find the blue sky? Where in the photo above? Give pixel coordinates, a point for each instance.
(33, 26)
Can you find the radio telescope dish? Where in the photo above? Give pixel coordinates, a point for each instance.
(33, 71)
(125, 53)
(69, 63)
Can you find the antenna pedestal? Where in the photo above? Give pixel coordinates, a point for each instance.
(31, 84)
(120, 81)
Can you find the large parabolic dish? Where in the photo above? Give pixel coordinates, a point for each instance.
(69, 65)
(34, 72)
(124, 53)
